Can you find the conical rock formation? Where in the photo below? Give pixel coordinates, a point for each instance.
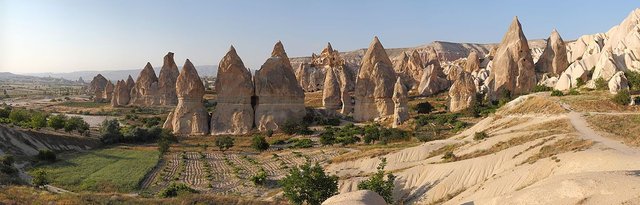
(473, 62)
(120, 94)
(234, 112)
(374, 85)
(167, 81)
(190, 116)
(331, 94)
(146, 91)
(400, 111)
(432, 81)
(554, 57)
(279, 96)
(512, 67)
(97, 86)
(618, 82)
(462, 93)
(409, 68)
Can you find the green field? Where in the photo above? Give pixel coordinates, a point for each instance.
(105, 170)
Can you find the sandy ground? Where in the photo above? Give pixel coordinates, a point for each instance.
(605, 173)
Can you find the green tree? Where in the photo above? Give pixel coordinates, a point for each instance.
(40, 177)
(38, 120)
(259, 143)
(46, 155)
(57, 121)
(376, 183)
(601, 84)
(19, 115)
(309, 184)
(423, 108)
(224, 143)
(110, 131)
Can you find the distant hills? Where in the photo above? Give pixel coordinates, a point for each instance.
(114, 75)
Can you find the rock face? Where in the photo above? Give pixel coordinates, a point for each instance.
(512, 67)
(473, 63)
(120, 94)
(618, 82)
(433, 81)
(409, 68)
(361, 197)
(130, 83)
(374, 85)
(279, 96)
(331, 94)
(145, 92)
(190, 116)
(167, 81)
(462, 93)
(97, 86)
(554, 57)
(400, 111)
(311, 78)
(234, 112)
(108, 92)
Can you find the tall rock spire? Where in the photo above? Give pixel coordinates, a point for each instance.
(554, 57)
(374, 84)
(513, 71)
(190, 116)
(234, 113)
(167, 81)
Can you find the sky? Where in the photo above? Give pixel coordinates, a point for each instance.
(74, 35)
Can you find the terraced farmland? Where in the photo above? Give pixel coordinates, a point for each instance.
(229, 173)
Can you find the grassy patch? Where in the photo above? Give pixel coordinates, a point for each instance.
(536, 105)
(624, 127)
(104, 170)
(83, 104)
(561, 146)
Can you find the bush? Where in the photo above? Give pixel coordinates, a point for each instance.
(480, 136)
(573, 91)
(152, 121)
(376, 183)
(259, 143)
(423, 108)
(40, 177)
(76, 123)
(541, 88)
(5, 111)
(57, 121)
(633, 78)
(6, 165)
(557, 93)
(38, 120)
(309, 184)
(46, 155)
(449, 156)
(269, 133)
(176, 189)
(291, 127)
(18, 116)
(622, 97)
(259, 178)
(303, 143)
(110, 132)
(224, 143)
(329, 121)
(601, 84)
(580, 82)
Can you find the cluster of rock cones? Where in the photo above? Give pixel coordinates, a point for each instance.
(380, 89)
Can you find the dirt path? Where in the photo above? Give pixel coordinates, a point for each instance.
(582, 126)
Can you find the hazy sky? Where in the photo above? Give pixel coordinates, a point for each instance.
(72, 35)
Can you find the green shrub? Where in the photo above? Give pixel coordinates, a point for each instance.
(269, 133)
(303, 143)
(40, 177)
(449, 156)
(259, 143)
(5, 111)
(38, 120)
(291, 127)
(557, 93)
(376, 183)
(57, 121)
(224, 143)
(541, 88)
(622, 97)
(423, 108)
(76, 123)
(633, 79)
(573, 91)
(6, 165)
(176, 189)
(580, 82)
(309, 184)
(110, 132)
(480, 136)
(46, 155)
(259, 178)
(18, 116)
(601, 84)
